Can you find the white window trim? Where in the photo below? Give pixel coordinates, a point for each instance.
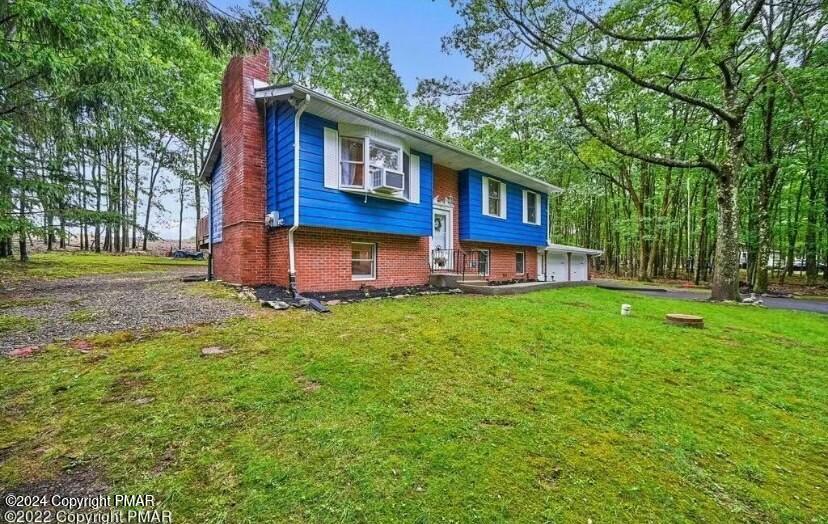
(365, 188)
(373, 261)
(485, 198)
(364, 162)
(526, 195)
(523, 255)
(398, 147)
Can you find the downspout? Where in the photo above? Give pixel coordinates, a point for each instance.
(210, 231)
(300, 108)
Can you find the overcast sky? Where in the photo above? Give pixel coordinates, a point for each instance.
(412, 28)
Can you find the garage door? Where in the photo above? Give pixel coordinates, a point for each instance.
(579, 267)
(556, 267)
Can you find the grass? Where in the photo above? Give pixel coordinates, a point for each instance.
(212, 289)
(15, 323)
(82, 316)
(16, 302)
(542, 407)
(75, 264)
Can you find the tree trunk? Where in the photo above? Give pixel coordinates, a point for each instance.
(811, 269)
(135, 190)
(24, 254)
(793, 232)
(180, 211)
(725, 284)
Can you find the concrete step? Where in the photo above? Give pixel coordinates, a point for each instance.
(454, 279)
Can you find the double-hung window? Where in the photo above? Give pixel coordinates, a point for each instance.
(531, 207)
(352, 172)
(520, 262)
(494, 198)
(363, 261)
(357, 159)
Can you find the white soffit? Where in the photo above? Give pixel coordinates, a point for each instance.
(561, 248)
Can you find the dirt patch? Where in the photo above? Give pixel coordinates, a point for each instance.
(127, 387)
(84, 307)
(497, 422)
(577, 304)
(84, 482)
(308, 385)
(166, 460)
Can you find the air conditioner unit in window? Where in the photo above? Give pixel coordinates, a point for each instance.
(386, 180)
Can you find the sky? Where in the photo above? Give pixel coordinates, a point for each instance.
(412, 28)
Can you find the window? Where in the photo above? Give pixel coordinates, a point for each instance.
(363, 261)
(531, 208)
(352, 162)
(494, 198)
(389, 157)
(520, 262)
(356, 161)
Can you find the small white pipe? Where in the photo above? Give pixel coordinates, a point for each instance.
(300, 108)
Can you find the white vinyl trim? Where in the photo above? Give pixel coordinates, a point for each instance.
(331, 158)
(526, 196)
(485, 197)
(373, 260)
(414, 178)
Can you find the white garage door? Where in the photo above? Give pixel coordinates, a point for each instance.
(579, 267)
(556, 267)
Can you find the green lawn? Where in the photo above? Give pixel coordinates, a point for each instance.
(543, 407)
(75, 264)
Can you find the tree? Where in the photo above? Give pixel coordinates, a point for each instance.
(698, 56)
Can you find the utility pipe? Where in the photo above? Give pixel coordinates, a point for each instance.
(300, 108)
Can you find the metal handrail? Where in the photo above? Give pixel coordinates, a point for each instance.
(455, 261)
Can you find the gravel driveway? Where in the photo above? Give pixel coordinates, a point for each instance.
(76, 307)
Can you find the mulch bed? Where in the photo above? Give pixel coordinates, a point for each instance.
(269, 293)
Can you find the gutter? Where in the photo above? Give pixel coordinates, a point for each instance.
(286, 90)
(300, 108)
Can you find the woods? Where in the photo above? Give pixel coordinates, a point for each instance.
(689, 136)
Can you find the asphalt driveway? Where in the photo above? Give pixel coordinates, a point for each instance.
(814, 306)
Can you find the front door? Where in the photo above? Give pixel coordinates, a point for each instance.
(441, 253)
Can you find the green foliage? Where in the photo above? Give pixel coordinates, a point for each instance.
(82, 316)
(69, 265)
(541, 407)
(634, 111)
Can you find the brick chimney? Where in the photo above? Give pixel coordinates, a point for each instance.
(241, 257)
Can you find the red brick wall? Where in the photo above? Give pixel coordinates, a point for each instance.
(323, 260)
(446, 187)
(243, 255)
(502, 261)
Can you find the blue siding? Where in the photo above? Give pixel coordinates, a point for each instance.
(217, 202)
(477, 227)
(332, 208)
(279, 146)
(324, 207)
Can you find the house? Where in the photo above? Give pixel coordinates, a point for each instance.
(310, 193)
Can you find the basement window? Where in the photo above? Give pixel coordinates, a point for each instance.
(363, 261)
